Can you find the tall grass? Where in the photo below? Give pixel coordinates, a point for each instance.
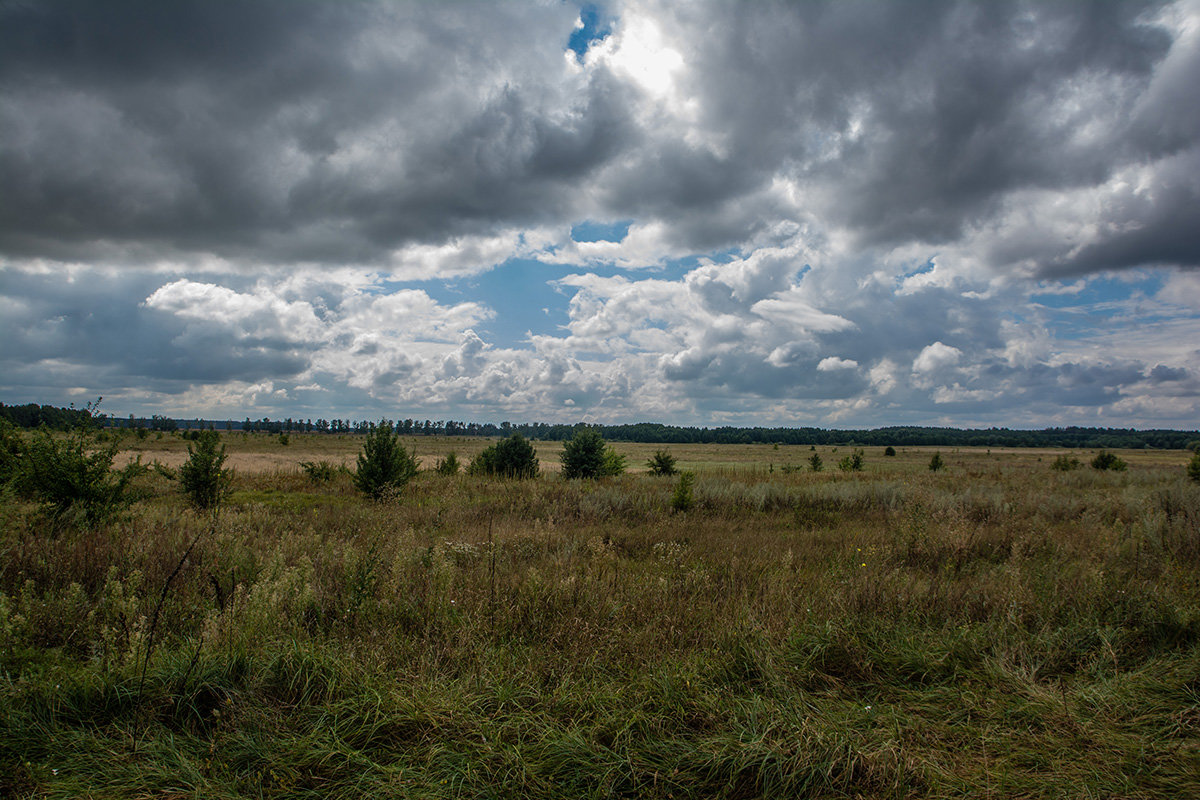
(898, 634)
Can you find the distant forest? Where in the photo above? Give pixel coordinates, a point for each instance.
(34, 416)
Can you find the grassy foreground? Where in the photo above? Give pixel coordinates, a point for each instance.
(997, 629)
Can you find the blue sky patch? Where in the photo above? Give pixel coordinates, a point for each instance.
(591, 231)
(595, 27)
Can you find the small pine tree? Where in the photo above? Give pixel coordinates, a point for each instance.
(587, 456)
(815, 463)
(852, 462)
(202, 476)
(512, 457)
(1106, 460)
(682, 499)
(936, 463)
(73, 479)
(448, 465)
(383, 465)
(1065, 463)
(613, 464)
(319, 471)
(663, 463)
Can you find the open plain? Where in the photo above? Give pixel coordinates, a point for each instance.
(997, 628)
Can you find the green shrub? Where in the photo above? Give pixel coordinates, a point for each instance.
(319, 471)
(513, 457)
(889, 451)
(815, 463)
(74, 479)
(613, 464)
(202, 476)
(448, 465)
(1193, 468)
(936, 463)
(852, 462)
(383, 465)
(681, 499)
(587, 456)
(12, 451)
(1065, 463)
(1107, 460)
(663, 463)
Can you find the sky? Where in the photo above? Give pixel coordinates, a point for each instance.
(841, 214)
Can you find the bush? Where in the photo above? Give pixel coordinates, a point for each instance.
(681, 499)
(936, 463)
(12, 452)
(614, 463)
(320, 471)
(72, 478)
(513, 457)
(448, 465)
(383, 465)
(587, 456)
(202, 476)
(889, 451)
(1107, 460)
(1065, 463)
(852, 462)
(1193, 468)
(663, 463)
(815, 463)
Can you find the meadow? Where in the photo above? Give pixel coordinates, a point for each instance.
(994, 629)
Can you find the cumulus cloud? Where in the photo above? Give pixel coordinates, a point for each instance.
(853, 212)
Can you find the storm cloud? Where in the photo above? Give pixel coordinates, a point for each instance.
(831, 212)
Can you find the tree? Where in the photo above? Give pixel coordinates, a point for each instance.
(663, 463)
(202, 476)
(1107, 460)
(682, 499)
(1065, 463)
(889, 451)
(511, 457)
(936, 463)
(815, 463)
(587, 456)
(1193, 468)
(72, 477)
(852, 462)
(383, 465)
(12, 450)
(448, 465)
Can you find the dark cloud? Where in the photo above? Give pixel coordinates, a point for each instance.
(335, 132)
(78, 330)
(805, 157)
(280, 131)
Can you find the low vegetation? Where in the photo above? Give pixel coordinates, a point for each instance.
(995, 628)
(384, 466)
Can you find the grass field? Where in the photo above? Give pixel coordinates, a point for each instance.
(996, 629)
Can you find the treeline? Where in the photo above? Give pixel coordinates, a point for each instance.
(33, 416)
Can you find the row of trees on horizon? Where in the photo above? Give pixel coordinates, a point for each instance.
(32, 415)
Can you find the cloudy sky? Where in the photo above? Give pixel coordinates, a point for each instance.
(845, 214)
